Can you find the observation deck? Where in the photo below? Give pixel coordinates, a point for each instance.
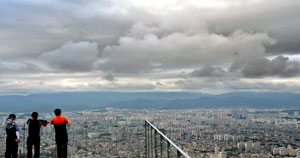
(153, 143)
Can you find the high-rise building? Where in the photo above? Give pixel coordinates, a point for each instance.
(217, 149)
(296, 114)
(256, 146)
(222, 155)
(248, 146)
(275, 151)
(298, 154)
(292, 152)
(283, 151)
(241, 145)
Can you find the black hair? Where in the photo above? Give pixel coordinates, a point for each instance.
(35, 115)
(12, 116)
(57, 112)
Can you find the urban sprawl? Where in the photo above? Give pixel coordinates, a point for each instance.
(211, 133)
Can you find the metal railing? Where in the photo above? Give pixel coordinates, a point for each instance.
(163, 149)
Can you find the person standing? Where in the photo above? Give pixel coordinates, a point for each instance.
(61, 135)
(12, 137)
(33, 139)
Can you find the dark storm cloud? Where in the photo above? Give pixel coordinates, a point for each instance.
(208, 71)
(280, 66)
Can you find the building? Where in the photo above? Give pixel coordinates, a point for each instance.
(222, 155)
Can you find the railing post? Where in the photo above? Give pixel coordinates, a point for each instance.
(86, 139)
(151, 144)
(149, 141)
(24, 137)
(178, 154)
(161, 147)
(147, 128)
(146, 139)
(168, 149)
(155, 143)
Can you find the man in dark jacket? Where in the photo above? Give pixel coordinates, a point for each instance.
(34, 126)
(61, 135)
(12, 137)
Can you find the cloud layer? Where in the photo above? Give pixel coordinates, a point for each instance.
(72, 56)
(197, 45)
(280, 66)
(179, 49)
(208, 71)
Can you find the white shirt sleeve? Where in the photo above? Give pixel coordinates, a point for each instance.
(17, 131)
(18, 134)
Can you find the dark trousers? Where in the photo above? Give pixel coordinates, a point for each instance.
(11, 149)
(33, 141)
(62, 148)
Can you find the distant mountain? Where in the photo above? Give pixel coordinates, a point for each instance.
(144, 100)
(82, 100)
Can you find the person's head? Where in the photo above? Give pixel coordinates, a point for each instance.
(57, 112)
(13, 116)
(34, 115)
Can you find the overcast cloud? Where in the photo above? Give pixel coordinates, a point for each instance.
(162, 45)
(72, 56)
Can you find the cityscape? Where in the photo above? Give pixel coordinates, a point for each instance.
(212, 133)
(150, 78)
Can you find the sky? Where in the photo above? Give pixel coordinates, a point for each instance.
(206, 46)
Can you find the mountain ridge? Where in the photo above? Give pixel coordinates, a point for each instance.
(146, 100)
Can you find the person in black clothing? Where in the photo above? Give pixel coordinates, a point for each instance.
(12, 138)
(33, 138)
(61, 135)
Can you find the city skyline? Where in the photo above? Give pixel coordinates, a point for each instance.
(227, 132)
(207, 46)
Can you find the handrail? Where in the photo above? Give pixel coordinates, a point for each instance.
(179, 150)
